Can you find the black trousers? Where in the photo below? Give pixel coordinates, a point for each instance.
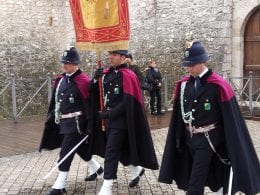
(201, 153)
(69, 141)
(156, 93)
(116, 138)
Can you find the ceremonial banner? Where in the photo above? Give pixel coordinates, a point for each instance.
(101, 24)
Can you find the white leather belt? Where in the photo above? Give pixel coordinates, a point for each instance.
(71, 115)
(203, 129)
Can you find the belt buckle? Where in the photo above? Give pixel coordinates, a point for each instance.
(206, 133)
(193, 129)
(198, 130)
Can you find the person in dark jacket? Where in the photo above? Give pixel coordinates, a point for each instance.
(154, 77)
(132, 66)
(208, 134)
(67, 122)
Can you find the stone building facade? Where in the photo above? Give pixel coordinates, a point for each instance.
(34, 33)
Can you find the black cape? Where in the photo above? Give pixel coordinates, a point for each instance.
(52, 139)
(139, 149)
(176, 162)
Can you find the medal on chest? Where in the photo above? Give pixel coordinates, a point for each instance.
(116, 91)
(71, 99)
(207, 106)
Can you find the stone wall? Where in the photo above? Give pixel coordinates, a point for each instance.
(34, 33)
(161, 28)
(32, 36)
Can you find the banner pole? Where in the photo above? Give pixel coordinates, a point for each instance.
(100, 85)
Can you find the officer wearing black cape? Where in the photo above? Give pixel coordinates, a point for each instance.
(127, 131)
(67, 121)
(207, 134)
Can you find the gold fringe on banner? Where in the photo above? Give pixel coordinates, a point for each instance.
(97, 47)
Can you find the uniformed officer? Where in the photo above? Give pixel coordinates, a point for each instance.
(207, 134)
(198, 112)
(70, 109)
(121, 129)
(202, 104)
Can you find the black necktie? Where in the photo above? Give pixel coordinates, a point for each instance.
(197, 85)
(67, 78)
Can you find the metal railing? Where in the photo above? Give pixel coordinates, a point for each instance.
(247, 90)
(17, 95)
(168, 85)
(6, 84)
(15, 105)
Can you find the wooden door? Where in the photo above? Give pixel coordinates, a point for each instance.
(252, 47)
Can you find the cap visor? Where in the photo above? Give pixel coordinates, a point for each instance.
(187, 63)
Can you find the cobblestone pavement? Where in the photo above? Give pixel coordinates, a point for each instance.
(25, 135)
(23, 174)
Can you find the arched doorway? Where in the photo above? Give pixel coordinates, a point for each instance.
(252, 61)
(252, 45)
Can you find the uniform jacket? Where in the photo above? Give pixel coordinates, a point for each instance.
(215, 96)
(125, 102)
(73, 97)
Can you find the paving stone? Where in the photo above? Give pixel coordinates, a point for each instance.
(23, 174)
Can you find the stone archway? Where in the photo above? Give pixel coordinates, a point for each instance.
(244, 37)
(241, 15)
(252, 45)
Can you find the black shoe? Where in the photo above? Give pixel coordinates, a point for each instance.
(94, 175)
(153, 113)
(57, 192)
(136, 180)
